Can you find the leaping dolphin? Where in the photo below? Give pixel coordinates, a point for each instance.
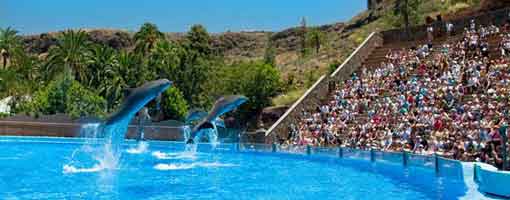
(114, 128)
(137, 98)
(116, 125)
(221, 106)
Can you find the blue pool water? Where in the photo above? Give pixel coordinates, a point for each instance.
(50, 168)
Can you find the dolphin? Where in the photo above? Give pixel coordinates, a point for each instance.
(136, 99)
(221, 106)
(116, 125)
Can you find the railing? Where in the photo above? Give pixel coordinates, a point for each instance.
(316, 94)
(442, 166)
(496, 17)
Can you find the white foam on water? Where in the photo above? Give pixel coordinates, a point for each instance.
(105, 158)
(169, 156)
(69, 169)
(167, 167)
(141, 148)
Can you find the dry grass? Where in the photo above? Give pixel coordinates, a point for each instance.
(289, 97)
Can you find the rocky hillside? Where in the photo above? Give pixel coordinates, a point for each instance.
(298, 71)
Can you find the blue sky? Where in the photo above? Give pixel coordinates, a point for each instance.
(36, 16)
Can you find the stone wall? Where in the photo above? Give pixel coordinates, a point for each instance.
(20, 128)
(319, 92)
(497, 17)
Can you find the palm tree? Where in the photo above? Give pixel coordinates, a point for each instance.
(147, 37)
(128, 62)
(165, 57)
(69, 54)
(28, 68)
(111, 88)
(10, 44)
(105, 74)
(101, 61)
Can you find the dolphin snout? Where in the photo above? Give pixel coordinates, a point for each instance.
(242, 99)
(164, 84)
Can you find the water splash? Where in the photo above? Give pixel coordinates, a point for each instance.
(97, 154)
(210, 134)
(185, 166)
(113, 130)
(186, 155)
(142, 147)
(69, 169)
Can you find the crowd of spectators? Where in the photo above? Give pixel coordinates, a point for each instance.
(450, 99)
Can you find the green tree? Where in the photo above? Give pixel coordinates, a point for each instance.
(133, 68)
(192, 77)
(165, 57)
(262, 83)
(174, 105)
(316, 39)
(81, 102)
(147, 37)
(101, 64)
(112, 90)
(257, 81)
(10, 84)
(195, 67)
(65, 95)
(28, 68)
(107, 72)
(70, 54)
(408, 13)
(270, 52)
(10, 44)
(199, 40)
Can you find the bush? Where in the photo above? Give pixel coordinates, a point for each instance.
(65, 95)
(81, 102)
(333, 66)
(174, 105)
(256, 80)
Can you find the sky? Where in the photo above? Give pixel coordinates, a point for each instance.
(38, 16)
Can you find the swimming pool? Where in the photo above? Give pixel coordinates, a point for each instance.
(56, 168)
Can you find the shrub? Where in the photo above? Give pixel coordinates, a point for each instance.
(65, 95)
(174, 105)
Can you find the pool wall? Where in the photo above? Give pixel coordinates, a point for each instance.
(26, 128)
(479, 177)
(491, 180)
(441, 166)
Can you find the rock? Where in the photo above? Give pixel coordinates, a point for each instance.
(247, 44)
(38, 44)
(112, 38)
(270, 115)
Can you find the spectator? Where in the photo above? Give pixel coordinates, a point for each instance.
(451, 102)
